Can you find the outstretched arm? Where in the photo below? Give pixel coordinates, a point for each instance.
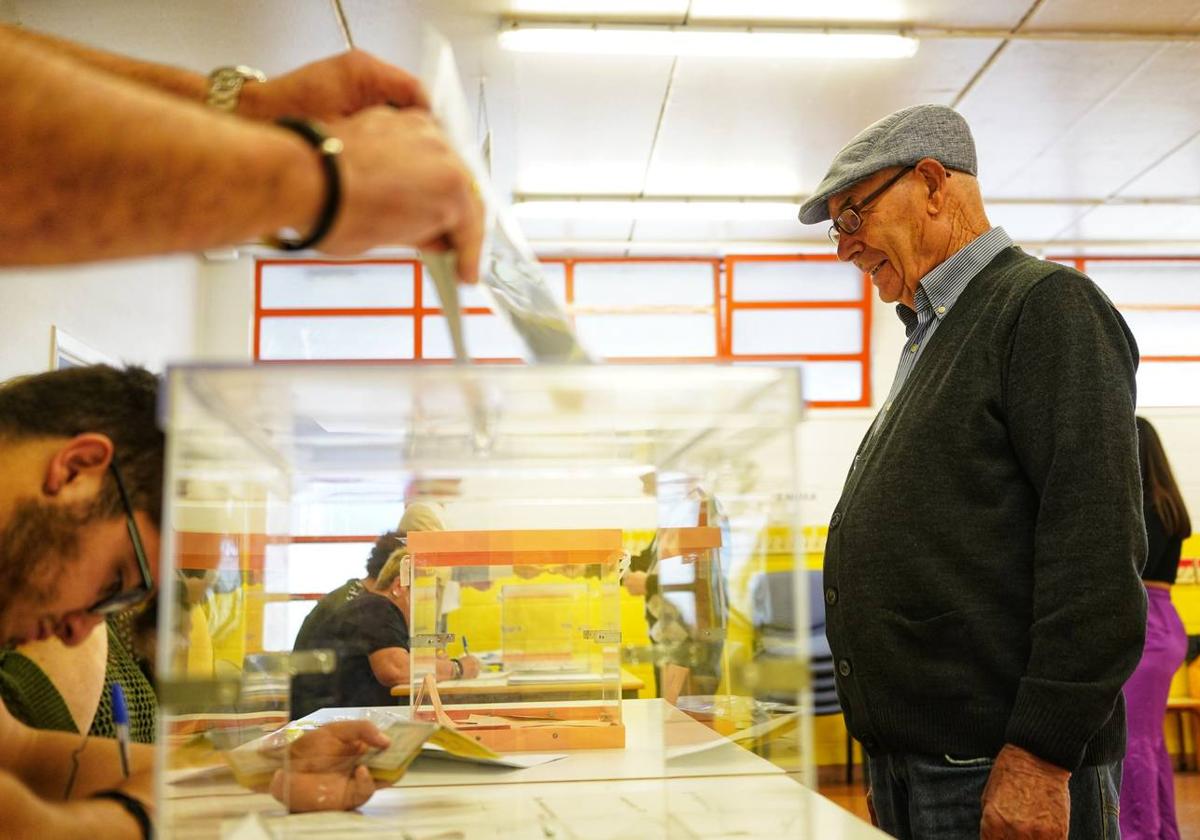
(101, 167)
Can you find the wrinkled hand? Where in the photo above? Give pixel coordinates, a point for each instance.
(332, 88)
(470, 666)
(403, 185)
(323, 773)
(1026, 798)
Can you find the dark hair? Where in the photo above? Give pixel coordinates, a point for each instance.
(1159, 489)
(388, 542)
(120, 404)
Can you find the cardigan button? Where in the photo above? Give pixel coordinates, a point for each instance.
(844, 667)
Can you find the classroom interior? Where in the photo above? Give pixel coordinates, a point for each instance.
(312, 399)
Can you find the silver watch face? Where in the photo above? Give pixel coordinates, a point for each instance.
(225, 85)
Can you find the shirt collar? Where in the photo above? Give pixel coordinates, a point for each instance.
(940, 288)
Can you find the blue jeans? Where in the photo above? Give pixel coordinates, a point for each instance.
(925, 797)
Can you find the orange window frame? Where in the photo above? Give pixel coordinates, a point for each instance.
(722, 308)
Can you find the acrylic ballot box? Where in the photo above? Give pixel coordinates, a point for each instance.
(559, 626)
(598, 537)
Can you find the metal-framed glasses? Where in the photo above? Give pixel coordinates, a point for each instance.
(119, 599)
(849, 220)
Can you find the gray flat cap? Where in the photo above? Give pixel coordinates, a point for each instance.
(899, 139)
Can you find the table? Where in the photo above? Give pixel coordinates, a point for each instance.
(676, 779)
(495, 689)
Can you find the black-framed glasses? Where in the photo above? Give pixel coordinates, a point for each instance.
(849, 219)
(124, 599)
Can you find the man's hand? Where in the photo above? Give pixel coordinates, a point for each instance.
(323, 773)
(332, 88)
(1026, 798)
(470, 666)
(403, 185)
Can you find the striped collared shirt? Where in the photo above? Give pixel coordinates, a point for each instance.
(935, 297)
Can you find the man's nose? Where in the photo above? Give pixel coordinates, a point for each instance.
(847, 247)
(76, 627)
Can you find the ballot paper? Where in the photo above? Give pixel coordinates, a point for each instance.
(255, 762)
(510, 274)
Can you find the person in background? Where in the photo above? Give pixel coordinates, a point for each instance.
(981, 588)
(1147, 785)
(126, 159)
(314, 623)
(370, 636)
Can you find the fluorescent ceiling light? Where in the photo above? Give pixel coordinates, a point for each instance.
(699, 210)
(712, 42)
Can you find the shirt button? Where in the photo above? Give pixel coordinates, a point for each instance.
(941, 310)
(831, 596)
(887, 407)
(844, 667)
(913, 349)
(836, 519)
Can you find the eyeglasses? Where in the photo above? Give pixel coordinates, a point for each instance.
(122, 600)
(849, 219)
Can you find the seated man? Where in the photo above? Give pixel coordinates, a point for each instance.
(369, 634)
(76, 533)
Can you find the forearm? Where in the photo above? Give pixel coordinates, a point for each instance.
(101, 168)
(28, 816)
(43, 761)
(174, 80)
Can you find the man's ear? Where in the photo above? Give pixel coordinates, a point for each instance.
(77, 469)
(933, 175)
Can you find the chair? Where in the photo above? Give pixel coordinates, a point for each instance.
(773, 617)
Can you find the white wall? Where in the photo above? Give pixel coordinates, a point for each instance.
(225, 309)
(140, 311)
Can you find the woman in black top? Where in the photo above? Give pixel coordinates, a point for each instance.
(1147, 785)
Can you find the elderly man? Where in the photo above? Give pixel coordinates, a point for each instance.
(80, 508)
(981, 571)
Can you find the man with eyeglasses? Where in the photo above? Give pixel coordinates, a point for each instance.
(981, 570)
(80, 510)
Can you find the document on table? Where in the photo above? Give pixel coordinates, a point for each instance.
(521, 761)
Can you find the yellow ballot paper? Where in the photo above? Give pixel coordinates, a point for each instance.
(254, 763)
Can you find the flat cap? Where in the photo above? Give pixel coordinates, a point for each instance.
(900, 139)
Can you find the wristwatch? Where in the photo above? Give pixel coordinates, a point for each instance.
(225, 85)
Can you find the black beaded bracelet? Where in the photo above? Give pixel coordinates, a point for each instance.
(133, 806)
(329, 148)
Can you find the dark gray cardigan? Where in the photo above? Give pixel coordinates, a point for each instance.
(981, 571)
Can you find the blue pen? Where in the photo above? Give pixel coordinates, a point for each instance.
(120, 713)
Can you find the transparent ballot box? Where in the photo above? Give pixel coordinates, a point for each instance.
(559, 628)
(598, 562)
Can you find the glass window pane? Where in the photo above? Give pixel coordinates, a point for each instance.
(487, 337)
(281, 623)
(1147, 282)
(1165, 333)
(469, 297)
(1168, 383)
(333, 286)
(795, 280)
(345, 337)
(643, 284)
(556, 279)
(323, 567)
(626, 336)
(762, 331)
(825, 381)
